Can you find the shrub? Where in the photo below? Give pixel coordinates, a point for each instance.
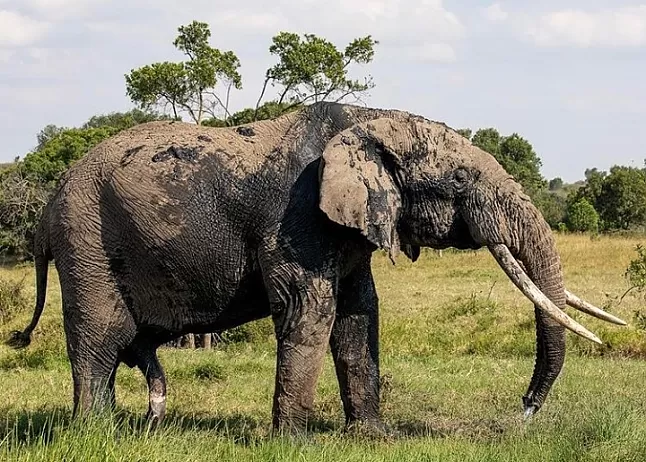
(582, 217)
(21, 203)
(13, 299)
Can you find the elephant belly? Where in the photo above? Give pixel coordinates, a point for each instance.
(165, 295)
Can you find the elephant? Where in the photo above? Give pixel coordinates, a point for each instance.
(169, 228)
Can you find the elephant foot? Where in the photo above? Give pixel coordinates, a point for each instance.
(156, 410)
(369, 428)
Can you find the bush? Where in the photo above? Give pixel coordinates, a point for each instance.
(636, 270)
(21, 203)
(582, 217)
(13, 299)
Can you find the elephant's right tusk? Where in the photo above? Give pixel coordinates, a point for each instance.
(520, 279)
(582, 305)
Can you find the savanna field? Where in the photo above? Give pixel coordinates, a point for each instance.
(457, 353)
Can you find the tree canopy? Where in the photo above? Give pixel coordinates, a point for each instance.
(309, 69)
(188, 87)
(515, 154)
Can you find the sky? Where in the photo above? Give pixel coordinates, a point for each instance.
(569, 76)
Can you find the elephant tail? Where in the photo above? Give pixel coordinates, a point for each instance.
(42, 256)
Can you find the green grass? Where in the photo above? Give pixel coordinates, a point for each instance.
(457, 346)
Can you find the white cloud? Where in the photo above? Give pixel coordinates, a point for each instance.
(619, 27)
(242, 19)
(437, 52)
(55, 10)
(495, 13)
(19, 30)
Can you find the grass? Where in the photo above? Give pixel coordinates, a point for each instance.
(457, 343)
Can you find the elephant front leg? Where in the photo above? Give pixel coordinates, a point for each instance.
(303, 318)
(355, 349)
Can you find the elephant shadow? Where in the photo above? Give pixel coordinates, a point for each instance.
(42, 426)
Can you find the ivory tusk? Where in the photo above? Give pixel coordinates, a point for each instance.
(520, 279)
(582, 305)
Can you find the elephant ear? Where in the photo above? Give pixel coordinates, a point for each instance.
(357, 187)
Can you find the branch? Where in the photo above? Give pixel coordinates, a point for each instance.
(282, 96)
(226, 107)
(262, 94)
(219, 101)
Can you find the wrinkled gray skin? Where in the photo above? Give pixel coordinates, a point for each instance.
(170, 228)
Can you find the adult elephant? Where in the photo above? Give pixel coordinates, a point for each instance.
(169, 228)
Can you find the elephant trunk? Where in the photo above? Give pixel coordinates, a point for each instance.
(538, 254)
(530, 259)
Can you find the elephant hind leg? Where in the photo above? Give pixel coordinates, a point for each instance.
(93, 376)
(97, 327)
(154, 373)
(144, 356)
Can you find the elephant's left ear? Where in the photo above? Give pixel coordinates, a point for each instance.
(357, 184)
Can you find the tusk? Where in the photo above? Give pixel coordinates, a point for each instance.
(512, 268)
(592, 310)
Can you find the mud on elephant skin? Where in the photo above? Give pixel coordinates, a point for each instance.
(170, 228)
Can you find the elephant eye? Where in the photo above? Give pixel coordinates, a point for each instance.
(461, 175)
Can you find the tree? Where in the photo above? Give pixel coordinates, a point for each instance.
(269, 110)
(488, 139)
(552, 206)
(582, 217)
(314, 69)
(622, 200)
(555, 183)
(21, 204)
(48, 133)
(47, 164)
(516, 155)
(188, 86)
(123, 120)
(466, 132)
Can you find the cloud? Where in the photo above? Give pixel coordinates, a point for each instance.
(437, 52)
(53, 10)
(19, 30)
(618, 27)
(250, 20)
(495, 13)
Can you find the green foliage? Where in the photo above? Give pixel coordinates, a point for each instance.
(312, 68)
(188, 86)
(622, 201)
(582, 217)
(619, 196)
(48, 133)
(123, 120)
(47, 164)
(555, 183)
(269, 110)
(636, 270)
(516, 155)
(466, 132)
(552, 206)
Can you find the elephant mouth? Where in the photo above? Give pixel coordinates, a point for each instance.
(516, 273)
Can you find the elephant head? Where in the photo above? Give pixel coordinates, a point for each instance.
(407, 183)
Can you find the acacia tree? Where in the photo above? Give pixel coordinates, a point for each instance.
(189, 86)
(313, 69)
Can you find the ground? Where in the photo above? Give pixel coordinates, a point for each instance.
(457, 344)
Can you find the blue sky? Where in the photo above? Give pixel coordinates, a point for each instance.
(570, 76)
